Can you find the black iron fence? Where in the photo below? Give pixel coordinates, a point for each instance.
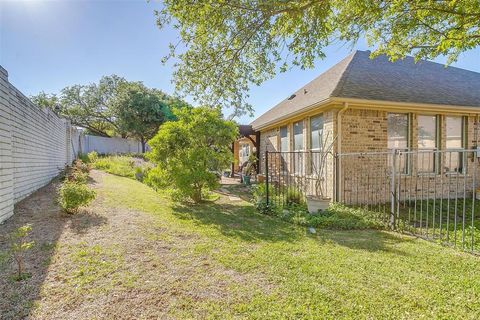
(429, 193)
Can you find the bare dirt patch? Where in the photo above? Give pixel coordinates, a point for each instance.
(109, 263)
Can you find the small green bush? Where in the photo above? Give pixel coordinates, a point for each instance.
(336, 217)
(73, 195)
(294, 196)
(78, 172)
(92, 157)
(78, 176)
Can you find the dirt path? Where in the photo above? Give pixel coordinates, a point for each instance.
(105, 263)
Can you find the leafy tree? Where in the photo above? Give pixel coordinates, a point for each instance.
(103, 108)
(90, 106)
(45, 100)
(190, 151)
(232, 44)
(139, 111)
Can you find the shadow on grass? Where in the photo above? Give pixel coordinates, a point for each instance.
(236, 190)
(367, 240)
(81, 222)
(241, 221)
(48, 222)
(238, 221)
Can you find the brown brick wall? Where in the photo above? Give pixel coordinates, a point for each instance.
(367, 178)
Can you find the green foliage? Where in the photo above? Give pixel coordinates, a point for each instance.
(139, 111)
(90, 106)
(190, 151)
(104, 108)
(336, 217)
(73, 195)
(123, 166)
(18, 247)
(232, 45)
(92, 157)
(45, 100)
(294, 196)
(78, 172)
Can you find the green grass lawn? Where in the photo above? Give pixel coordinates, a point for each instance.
(351, 274)
(135, 254)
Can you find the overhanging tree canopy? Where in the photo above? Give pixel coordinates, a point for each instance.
(233, 44)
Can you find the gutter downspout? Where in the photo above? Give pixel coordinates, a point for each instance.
(339, 150)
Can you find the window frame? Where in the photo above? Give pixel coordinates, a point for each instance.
(437, 140)
(320, 115)
(408, 166)
(464, 143)
(302, 122)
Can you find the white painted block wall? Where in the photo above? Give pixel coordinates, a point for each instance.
(35, 145)
(105, 145)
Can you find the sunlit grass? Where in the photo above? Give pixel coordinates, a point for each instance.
(332, 274)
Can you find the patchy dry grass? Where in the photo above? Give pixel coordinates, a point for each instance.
(134, 254)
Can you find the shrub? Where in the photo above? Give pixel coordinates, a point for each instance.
(192, 150)
(73, 195)
(92, 157)
(78, 172)
(77, 176)
(79, 165)
(294, 196)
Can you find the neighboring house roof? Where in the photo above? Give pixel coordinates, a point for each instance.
(358, 76)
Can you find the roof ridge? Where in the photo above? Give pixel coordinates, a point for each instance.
(343, 78)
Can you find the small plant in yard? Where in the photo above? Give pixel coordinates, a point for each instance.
(92, 157)
(18, 247)
(294, 196)
(73, 195)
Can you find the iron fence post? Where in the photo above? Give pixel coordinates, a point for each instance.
(393, 190)
(266, 175)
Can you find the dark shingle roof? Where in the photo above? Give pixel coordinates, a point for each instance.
(358, 76)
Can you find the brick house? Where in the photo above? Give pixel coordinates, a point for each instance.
(363, 105)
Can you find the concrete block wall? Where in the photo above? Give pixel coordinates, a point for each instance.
(35, 145)
(105, 145)
(6, 162)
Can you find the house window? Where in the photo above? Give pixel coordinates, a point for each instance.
(316, 144)
(284, 163)
(398, 129)
(298, 160)
(298, 136)
(245, 152)
(455, 140)
(427, 143)
(316, 132)
(283, 138)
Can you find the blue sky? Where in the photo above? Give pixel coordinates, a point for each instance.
(47, 45)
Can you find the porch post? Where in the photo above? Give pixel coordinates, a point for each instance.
(232, 166)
